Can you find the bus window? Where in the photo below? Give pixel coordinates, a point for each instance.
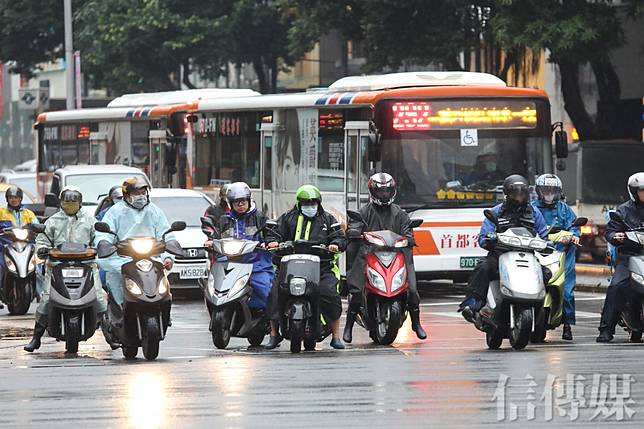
(66, 144)
(140, 145)
(330, 174)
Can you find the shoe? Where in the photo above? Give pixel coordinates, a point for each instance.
(473, 302)
(604, 337)
(347, 336)
(415, 324)
(468, 314)
(274, 342)
(567, 333)
(337, 343)
(325, 332)
(39, 331)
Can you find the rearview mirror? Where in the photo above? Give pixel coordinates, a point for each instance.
(178, 225)
(51, 200)
(415, 223)
(38, 228)
(489, 215)
(206, 221)
(105, 249)
(561, 144)
(173, 247)
(103, 227)
(354, 215)
(374, 147)
(614, 216)
(554, 230)
(580, 221)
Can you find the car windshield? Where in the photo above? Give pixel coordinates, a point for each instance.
(26, 199)
(441, 172)
(187, 209)
(93, 186)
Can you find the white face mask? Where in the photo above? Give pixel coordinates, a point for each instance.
(139, 201)
(309, 211)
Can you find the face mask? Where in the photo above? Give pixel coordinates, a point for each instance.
(139, 201)
(70, 208)
(309, 211)
(490, 167)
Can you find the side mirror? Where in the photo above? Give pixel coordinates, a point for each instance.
(105, 249)
(561, 144)
(103, 227)
(51, 200)
(173, 246)
(178, 225)
(354, 215)
(614, 216)
(489, 215)
(415, 223)
(580, 221)
(38, 228)
(374, 147)
(554, 230)
(206, 221)
(208, 227)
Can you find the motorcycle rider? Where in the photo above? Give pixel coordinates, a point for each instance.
(14, 215)
(69, 225)
(381, 214)
(618, 293)
(309, 222)
(245, 222)
(556, 212)
(133, 216)
(216, 212)
(516, 211)
(114, 196)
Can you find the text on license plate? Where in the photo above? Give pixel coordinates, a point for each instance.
(193, 272)
(469, 262)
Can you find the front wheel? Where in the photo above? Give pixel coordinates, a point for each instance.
(389, 322)
(221, 328)
(72, 334)
(636, 337)
(297, 332)
(151, 338)
(256, 337)
(493, 339)
(21, 299)
(521, 327)
(540, 326)
(130, 352)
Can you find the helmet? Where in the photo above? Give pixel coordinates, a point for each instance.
(635, 183)
(549, 189)
(382, 189)
(308, 193)
(237, 191)
(222, 194)
(13, 191)
(116, 193)
(133, 184)
(71, 200)
(515, 189)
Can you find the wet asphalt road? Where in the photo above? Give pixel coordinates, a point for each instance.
(448, 381)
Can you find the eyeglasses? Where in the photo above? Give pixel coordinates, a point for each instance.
(239, 202)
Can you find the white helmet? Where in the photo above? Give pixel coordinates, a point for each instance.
(635, 183)
(237, 191)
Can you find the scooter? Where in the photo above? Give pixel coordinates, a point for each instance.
(228, 291)
(19, 277)
(513, 300)
(144, 318)
(631, 317)
(386, 286)
(72, 297)
(551, 315)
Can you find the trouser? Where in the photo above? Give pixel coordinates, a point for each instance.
(356, 279)
(569, 287)
(618, 293)
(330, 303)
(261, 282)
(42, 312)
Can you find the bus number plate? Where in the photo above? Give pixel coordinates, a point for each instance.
(469, 262)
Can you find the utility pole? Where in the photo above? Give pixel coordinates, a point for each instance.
(69, 55)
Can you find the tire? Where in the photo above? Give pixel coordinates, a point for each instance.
(221, 328)
(130, 352)
(256, 338)
(521, 328)
(387, 331)
(72, 334)
(540, 327)
(636, 337)
(493, 339)
(21, 300)
(309, 344)
(151, 338)
(373, 336)
(297, 332)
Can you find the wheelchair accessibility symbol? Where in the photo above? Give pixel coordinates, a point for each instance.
(469, 137)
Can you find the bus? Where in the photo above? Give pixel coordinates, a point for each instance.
(448, 138)
(146, 130)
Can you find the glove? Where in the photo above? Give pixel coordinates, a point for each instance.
(491, 237)
(43, 253)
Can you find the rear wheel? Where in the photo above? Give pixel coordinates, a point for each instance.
(297, 332)
(21, 299)
(493, 339)
(72, 334)
(151, 338)
(221, 328)
(388, 326)
(130, 352)
(521, 327)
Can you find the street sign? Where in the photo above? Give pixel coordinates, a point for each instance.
(29, 99)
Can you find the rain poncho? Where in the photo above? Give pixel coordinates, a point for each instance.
(128, 222)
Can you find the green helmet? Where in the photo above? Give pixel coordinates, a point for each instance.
(308, 193)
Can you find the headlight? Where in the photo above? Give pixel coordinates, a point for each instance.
(11, 266)
(142, 246)
(144, 265)
(401, 243)
(32, 264)
(376, 280)
(232, 247)
(510, 241)
(297, 286)
(538, 244)
(505, 291)
(21, 234)
(72, 273)
(638, 278)
(239, 285)
(399, 279)
(163, 288)
(133, 287)
(640, 237)
(374, 239)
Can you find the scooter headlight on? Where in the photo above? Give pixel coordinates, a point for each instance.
(238, 286)
(403, 242)
(142, 246)
(72, 273)
(399, 279)
(21, 234)
(538, 244)
(376, 280)
(297, 286)
(133, 287)
(510, 241)
(638, 278)
(32, 264)
(11, 266)
(232, 247)
(163, 286)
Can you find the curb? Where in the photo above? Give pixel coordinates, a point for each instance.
(597, 288)
(593, 271)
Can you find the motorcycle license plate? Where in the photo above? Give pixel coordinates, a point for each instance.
(469, 262)
(193, 272)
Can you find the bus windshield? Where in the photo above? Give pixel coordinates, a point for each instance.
(440, 172)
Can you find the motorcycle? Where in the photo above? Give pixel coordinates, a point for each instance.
(632, 314)
(72, 297)
(19, 277)
(513, 299)
(386, 287)
(144, 318)
(551, 315)
(228, 291)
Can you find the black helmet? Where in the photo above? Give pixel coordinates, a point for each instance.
(516, 190)
(382, 189)
(13, 191)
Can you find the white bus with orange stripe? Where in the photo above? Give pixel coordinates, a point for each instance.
(449, 139)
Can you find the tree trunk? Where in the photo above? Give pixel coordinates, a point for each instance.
(608, 112)
(186, 75)
(573, 102)
(258, 65)
(274, 71)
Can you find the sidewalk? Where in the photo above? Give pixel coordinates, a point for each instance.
(592, 278)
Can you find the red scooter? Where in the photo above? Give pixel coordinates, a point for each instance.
(386, 286)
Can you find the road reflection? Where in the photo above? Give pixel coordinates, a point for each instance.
(233, 379)
(147, 400)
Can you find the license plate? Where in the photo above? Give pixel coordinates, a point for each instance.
(469, 262)
(193, 272)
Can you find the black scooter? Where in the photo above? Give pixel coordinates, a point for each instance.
(143, 319)
(19, 277)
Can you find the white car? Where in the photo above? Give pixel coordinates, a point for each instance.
(186, 205)
(25, 181)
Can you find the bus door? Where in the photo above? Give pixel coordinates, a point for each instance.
(157, 170)
(266, 169)
(356, 161)
(98, 147)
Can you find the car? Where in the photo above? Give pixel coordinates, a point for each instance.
(186, 205)
(25, 181)
(27, 198)
(94, 181)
